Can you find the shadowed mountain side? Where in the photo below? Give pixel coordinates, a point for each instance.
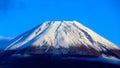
(76, 50)
(80, 50)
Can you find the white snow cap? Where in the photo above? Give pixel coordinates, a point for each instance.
(61, 34)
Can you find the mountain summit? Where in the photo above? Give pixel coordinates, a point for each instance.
(63, 37)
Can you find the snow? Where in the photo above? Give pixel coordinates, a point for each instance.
(61, 34)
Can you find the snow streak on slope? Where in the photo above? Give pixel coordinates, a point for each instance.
(63, 34)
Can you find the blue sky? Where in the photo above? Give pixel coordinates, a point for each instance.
(102, 16)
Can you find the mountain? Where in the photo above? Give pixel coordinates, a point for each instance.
(62, 37)
(59, 44)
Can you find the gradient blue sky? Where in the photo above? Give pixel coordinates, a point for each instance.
(102, 16)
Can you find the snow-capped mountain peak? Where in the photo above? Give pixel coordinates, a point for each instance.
(61, 37)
